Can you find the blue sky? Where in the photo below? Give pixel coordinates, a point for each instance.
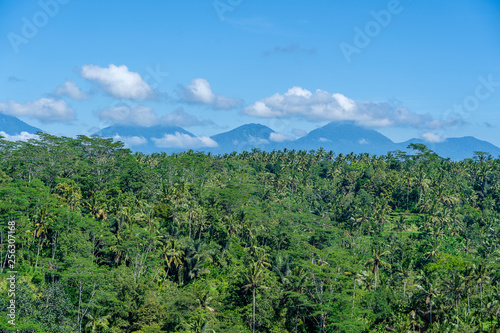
(406, 68)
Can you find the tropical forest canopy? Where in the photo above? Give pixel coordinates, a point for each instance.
(282, 241)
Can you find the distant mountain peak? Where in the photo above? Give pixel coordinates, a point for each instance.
(246, 132)
(14, 126)
(244, 137)
(347, 131)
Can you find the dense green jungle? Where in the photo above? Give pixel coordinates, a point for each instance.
(107, 240)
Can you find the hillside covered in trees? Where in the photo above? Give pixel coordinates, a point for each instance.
(282, 241)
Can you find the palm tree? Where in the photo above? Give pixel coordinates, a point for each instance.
(172, 255)
(400, 226)
(197, 254)
(260, 256)
(124, 217)
(493, 307)
(359, 278)
(101, 323)
(410, 183)
(481, 275)
(254, 276)
(282, 269)
(405, 270)
(467, 277)
(376, 262)
(329, 155)
(454, 288)
(429, 291)
(433, 250)
(361, 218)
(203, 298)
(297, 282)
(422, 183)
(382, 209)
(41, 229)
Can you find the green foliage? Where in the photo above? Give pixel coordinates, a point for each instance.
(292, 241)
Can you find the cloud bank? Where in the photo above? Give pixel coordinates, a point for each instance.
(279, 137)
(180, 140)
(323, 106)
(47, 110)
(24, 136)
(432, 137)
(131, 141)
(137, 115)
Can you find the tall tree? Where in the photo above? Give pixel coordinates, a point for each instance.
(254, 276)
(376, 262)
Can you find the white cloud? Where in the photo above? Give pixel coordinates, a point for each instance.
(200, 92)
(70, 89)
(298, 91)
(363, 142)
(323, 140)
(183, 119)
(257, 141)
(180, 140)
(347, 104)
(47, 110)
(131, 141)
(24, 136)
(323, 106)
(299, 132)
(432, 137)
(251, 140)
(260, 109)
(278, 137)
(130, 115)
(118, 81)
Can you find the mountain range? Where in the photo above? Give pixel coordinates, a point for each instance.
(340, 137)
